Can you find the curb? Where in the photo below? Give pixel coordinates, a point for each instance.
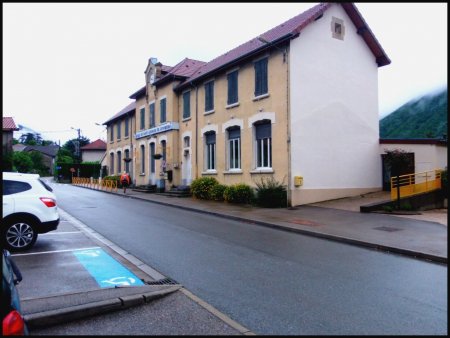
(414, 254)
(406, 252)
(60, 316)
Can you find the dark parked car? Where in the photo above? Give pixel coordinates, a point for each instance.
(13, 321)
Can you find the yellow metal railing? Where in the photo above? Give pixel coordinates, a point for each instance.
(99, 184)
(417, 183)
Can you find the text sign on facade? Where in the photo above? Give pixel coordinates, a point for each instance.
(162, 128)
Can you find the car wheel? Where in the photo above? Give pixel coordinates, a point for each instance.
(19, 235)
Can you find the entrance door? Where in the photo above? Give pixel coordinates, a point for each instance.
(186, 168)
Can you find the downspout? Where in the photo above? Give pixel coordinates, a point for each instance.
(196, 131)
(288, 115)
(131, 147)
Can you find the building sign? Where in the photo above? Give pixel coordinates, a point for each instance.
(159, 129)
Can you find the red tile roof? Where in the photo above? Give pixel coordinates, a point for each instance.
(9, 124)
(183, 70)
(96, 145)
(286, 31)
(127, 109)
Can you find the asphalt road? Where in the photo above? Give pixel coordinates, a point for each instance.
(270, 281)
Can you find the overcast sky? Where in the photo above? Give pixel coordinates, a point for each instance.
(72, 65)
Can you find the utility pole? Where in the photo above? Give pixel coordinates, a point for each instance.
(77, 145)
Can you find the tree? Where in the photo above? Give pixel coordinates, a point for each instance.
(31, 139)
(397, 160)
(38, 163)
(73, 145)
(22, 162)
(64, 156)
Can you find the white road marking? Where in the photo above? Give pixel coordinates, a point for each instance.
(60, 233)
(55, 251)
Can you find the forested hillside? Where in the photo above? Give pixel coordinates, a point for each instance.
(425, 117)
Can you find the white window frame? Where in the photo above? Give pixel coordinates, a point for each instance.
(230, 151)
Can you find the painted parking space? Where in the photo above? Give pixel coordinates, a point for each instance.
(106, 270)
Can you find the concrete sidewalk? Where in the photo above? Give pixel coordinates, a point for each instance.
(417, 234)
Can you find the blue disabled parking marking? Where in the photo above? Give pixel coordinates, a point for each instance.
(106, 270)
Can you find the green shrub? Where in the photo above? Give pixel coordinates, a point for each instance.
(216, 192)
(238, 193)
(22, 162)
(406, 206)
(387, 208)
(270, 193)
(113, 178)
(201, 187)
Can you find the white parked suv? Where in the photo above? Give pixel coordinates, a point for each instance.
(29, 209)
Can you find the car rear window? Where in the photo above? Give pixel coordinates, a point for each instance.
(46, 186)
(14, 187)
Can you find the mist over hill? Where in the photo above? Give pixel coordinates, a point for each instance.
(424, 117)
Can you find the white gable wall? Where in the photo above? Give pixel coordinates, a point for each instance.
(333, 112)
(92, 155)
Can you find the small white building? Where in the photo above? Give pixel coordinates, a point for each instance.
(425, 154)
(94, 152)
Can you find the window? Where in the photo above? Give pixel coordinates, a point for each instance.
(337, 28)
(119, 161)
(152, 159)
(152, 115)
(187, 141)
(164, 150)
(209, 96)
(127, 163)
(210, 151)
(234, 148)
(142, 118)
(127, 126)
(162, 106)
(232, 87)
(186, 105)
(263, 146)
(142, 159)
(14, 187)
(261, 77)
(111, 163)
(119, 124)
(111, 133)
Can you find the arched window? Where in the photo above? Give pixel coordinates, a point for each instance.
(119, 161)
(127, 163)
(210, 151)
(263, 144)
(111, 164)
(142, 159)
(234, 148)
(152, 159)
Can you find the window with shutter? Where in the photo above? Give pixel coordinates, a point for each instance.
(261, 87)
(232, 87)
(209, 96)
(186, 105)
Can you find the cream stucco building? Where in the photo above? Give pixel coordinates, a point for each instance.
(298, 103)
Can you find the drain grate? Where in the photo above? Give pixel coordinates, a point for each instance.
(388, 229)
(164, 281)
